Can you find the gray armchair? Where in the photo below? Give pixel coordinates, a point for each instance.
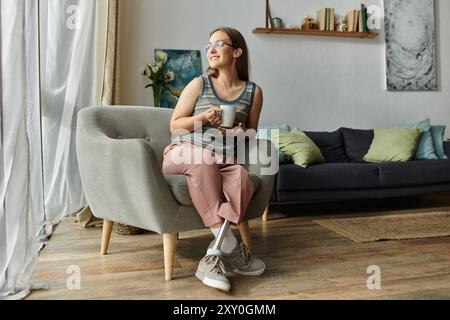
(120, 154)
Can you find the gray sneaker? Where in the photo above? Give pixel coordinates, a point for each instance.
(211, 272)
(242, 261)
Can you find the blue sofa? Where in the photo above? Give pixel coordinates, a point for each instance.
(346, 176)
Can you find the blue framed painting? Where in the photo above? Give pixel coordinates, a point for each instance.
(186, 65)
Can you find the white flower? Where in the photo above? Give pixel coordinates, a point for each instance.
(152, 64)
(169, 76)
(162, 56)
(160, 64)
(155, 69)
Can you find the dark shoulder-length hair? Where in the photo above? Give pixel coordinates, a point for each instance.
(243, 62)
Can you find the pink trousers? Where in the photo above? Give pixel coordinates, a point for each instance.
(219, 189)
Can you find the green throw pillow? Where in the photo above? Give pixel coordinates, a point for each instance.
(393, 145)
(425, 148)
(300, 149)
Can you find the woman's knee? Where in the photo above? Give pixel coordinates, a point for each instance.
(245, 176)
(205, 168)
(241, 170)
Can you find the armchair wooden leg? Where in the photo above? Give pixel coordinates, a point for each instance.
(265, 215)
(169, 243)
(244, 228)
(106, 235)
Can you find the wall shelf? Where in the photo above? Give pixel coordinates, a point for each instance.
(346, 34)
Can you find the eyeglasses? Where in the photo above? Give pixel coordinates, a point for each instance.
(215, 45)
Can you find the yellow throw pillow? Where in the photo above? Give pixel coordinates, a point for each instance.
(296, 145)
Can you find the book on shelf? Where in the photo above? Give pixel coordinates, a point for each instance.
(349, 19)
(364, 18)
(360, 21)
(357, 20)
(325, 19)
(327, 23)
(321, 19)
(331, 19)
(353, 20)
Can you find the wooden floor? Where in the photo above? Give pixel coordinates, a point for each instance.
(304, 260)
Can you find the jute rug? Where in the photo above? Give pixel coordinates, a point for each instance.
(391, 227)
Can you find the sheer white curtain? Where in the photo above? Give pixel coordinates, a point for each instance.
(47, 74)
(21, 193)
(67, 67)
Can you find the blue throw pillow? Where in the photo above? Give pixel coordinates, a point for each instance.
(438, 139)
(425, 148)
(266, 133)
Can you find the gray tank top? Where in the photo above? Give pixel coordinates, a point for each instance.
(209, 97)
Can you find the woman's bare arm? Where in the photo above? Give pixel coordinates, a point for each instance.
(255, 110)
(181, 117)
(182, 120)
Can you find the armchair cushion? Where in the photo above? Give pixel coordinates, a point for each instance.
(179, 188)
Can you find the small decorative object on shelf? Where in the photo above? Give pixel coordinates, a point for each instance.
(308, 23)
(154, 72)
(277, 23)
(268, 16)
(342, 24)
(308, 19)
(294, 26)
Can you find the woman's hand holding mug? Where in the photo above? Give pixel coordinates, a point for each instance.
(213, 115)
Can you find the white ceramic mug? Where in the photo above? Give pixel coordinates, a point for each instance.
(228, 115)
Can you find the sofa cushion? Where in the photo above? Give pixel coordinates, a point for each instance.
(425, 148)
(356, 143)
(330, 144)
(299, 149)
(447, 147)
(438, 140)
(327, 176)
(179, 188)
(414, 173)
(393, 145)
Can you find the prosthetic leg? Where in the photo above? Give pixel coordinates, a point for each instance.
(215, 250)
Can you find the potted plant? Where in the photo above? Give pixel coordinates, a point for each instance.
(159, 78)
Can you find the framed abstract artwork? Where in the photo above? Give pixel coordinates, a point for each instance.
(186, 65)
(410, 45)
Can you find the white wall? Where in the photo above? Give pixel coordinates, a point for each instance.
(313, 83)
